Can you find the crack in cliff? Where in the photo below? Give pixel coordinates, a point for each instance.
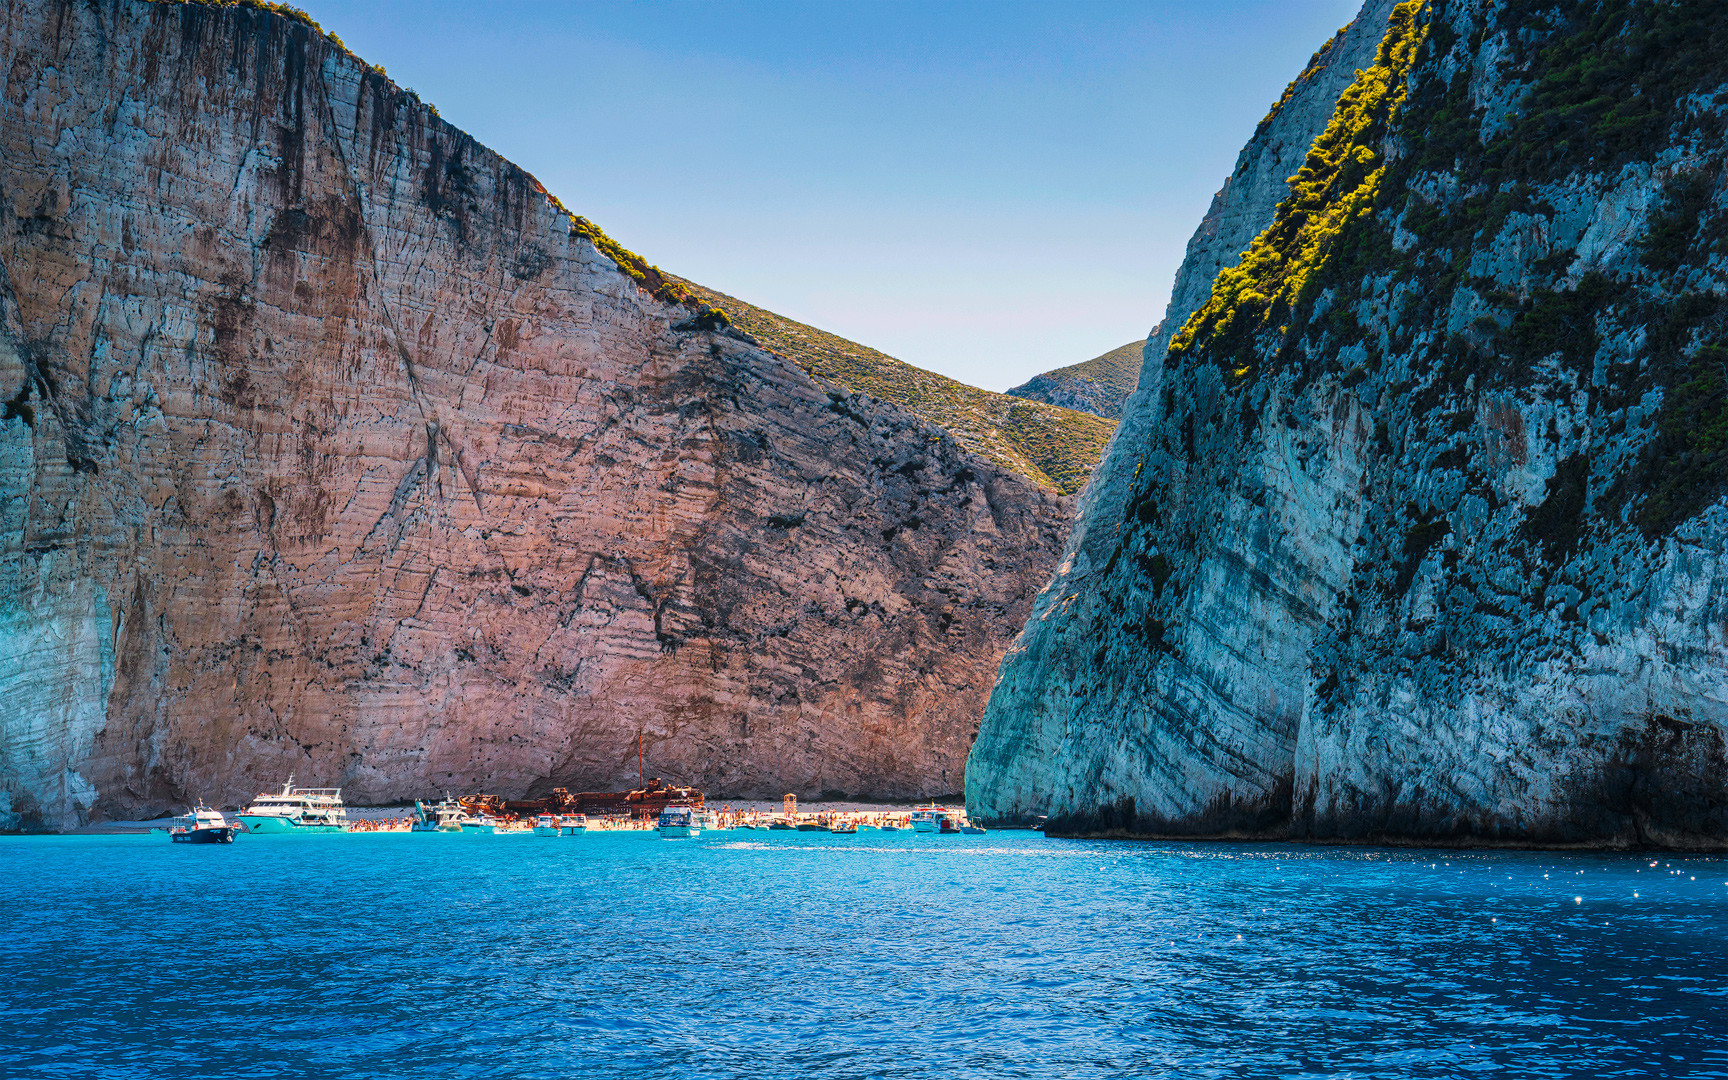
(428, 410)
(73, 419)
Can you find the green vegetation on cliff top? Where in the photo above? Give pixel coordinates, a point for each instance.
(1316, 64)
(1398, 242)
(1052, 446)
(1336, 185)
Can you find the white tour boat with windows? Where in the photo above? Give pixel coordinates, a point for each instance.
(485, 823)
(546, 825)
(572, 824)
(679, 821)
(297, 810)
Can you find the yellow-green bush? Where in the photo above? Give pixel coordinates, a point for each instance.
(1335, 185)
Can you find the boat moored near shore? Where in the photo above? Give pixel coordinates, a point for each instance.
(677, 822)
(202, 825)
(928, 819)
(296, 810)
(446, 816)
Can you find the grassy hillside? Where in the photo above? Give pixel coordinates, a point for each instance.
(1054, 447)
(1099, 385)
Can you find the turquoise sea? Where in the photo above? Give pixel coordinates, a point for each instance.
(792, 955)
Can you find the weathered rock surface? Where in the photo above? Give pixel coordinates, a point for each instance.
(1415, 530)
(332, 451)
(1099, 386)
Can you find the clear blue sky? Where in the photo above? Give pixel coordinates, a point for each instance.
(988, 190)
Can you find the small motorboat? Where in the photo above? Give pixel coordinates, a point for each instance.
(781, 824)
(546, 825)
(813, 826)
(679, 822)
(202, 826)
(887, 828)
(843, 828)
(973, 830)
(572, 824)
(485, 823)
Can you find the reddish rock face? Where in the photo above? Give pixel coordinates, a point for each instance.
(332, 452)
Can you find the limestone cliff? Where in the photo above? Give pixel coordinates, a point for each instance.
(1414, 529)
(334, 447)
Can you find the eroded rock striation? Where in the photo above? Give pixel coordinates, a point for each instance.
(1414, 530)
(334, 447)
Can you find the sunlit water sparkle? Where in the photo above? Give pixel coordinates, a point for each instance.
(876, 955)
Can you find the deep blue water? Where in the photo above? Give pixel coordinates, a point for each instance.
(788, 955)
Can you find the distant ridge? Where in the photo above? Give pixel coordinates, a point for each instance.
(1098, 386)
(1054, 446)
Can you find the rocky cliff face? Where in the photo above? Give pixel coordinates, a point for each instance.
(334, 448)
(1414, 531)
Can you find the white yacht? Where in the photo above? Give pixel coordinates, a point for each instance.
(546, 825)
(572, 824)
(446, 816)
(679, 821)
(928, 818)
(297, 810)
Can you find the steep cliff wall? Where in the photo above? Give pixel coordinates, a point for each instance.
(1242, 207)
(335, 448)
(1016, 765)
(1424, 537)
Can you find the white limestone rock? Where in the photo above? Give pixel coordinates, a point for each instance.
(1437, 554)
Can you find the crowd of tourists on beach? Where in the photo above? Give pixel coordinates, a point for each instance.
(727, 819)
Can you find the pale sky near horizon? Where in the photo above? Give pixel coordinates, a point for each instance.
(987, 190)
